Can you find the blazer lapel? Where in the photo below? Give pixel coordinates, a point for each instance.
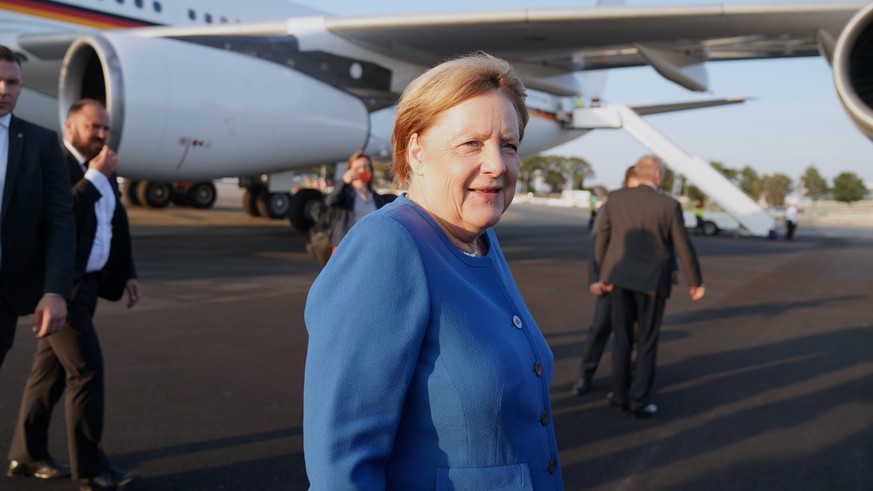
(73, 166)
(13, 162)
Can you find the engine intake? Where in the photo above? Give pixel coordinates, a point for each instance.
(853, 69)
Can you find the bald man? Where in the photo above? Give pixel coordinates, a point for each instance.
(638, 232)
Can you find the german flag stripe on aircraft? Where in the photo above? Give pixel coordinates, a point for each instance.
(72, 15)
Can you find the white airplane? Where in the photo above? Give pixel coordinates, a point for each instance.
(200, 89)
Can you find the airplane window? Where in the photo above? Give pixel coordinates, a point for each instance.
(191, 14)
(223, 20)
(208, 18)
(138, 3)
(120, 1)
(156, 6)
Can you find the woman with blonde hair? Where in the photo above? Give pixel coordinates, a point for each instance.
(425, 369)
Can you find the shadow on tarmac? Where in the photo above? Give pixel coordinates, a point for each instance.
(765, 384)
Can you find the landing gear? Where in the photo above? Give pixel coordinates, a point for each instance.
(130, 188)
(273, 205)
(301, 208)
(201, 195)
(250, 202)
(258, 201)
(304, 206)
(154, 194)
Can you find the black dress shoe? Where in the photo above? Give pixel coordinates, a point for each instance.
(582, 386)
(646, 411)
(47, 468)
(613, 402)
(111, 478)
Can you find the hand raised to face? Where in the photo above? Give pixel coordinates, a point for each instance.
(105, 162)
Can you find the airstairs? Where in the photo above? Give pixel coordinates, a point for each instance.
(753, 219)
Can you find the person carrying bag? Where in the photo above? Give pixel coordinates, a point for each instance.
(351, 199)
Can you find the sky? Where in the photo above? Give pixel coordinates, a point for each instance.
(793, 121)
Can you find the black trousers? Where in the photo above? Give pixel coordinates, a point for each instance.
(598, 335)
(632, 383)
(790, 227)
(8, 321)
(68, 363)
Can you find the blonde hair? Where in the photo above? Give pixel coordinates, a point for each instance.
(445, 86)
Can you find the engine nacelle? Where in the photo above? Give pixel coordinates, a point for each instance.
(853, 69)
(181, 111)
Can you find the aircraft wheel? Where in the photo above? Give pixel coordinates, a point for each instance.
(710, 229)
(249, 203)
(201, 195)
(303, 207)
(179, 198)
(273, 205)
(154, 194)
(130, 188)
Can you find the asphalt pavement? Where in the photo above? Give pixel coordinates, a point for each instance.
(765, 384)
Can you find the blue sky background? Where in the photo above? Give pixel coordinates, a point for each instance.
(794, 120)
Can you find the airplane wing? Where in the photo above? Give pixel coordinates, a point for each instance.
(674, 40)
(323, 81)
(544, 44)
(604, 37)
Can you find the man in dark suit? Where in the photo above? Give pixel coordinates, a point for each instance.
(601, 324)
(37, 228)
(636, 236)
(71, 361)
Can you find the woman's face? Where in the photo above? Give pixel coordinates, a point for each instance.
(360, 169)
(465, 165)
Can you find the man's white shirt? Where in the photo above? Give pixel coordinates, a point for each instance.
(104, 208)
(4, 157)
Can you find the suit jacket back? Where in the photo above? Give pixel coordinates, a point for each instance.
(635, 237)
(38, 229)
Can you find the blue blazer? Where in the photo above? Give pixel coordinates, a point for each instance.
(425, 370)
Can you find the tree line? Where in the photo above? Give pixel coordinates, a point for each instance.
(560, 172)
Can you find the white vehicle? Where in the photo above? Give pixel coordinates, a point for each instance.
(205, 89)
(714, 222)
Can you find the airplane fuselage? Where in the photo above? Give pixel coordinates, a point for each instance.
(182, 110)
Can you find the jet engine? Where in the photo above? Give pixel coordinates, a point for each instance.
(182, 111)
(853, 69)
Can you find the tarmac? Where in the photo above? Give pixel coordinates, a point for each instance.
(765, 384)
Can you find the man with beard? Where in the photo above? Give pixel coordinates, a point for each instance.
(71, 361)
